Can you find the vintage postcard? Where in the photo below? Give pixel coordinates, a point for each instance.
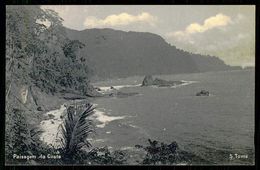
(130, 85)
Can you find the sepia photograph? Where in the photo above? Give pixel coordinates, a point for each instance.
(130, 85)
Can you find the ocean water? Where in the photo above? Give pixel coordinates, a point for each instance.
(215, 127)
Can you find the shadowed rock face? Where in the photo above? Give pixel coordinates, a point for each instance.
(149, 81)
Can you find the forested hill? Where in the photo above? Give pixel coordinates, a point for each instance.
(113, 53)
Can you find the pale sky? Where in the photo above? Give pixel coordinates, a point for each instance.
(227, 32)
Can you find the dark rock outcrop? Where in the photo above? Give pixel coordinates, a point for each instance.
(203, 93)
(165, 83)
(149, 81)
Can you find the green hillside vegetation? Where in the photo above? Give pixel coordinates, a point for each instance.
(125, 54)
(40, 59)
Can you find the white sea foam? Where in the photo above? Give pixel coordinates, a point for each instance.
(182, 164)
(105, 119)
(107, 89)
(184, 83)
(118, 87)
(99, 140)
(127, 148)
(133, 126)
(50, 127)
(96, 140)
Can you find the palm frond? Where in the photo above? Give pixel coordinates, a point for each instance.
(76, 129)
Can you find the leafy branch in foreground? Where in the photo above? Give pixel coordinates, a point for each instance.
(22, 137)
(75, 131)
(162, 153)
(103, 156)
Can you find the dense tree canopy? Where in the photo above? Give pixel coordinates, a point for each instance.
(38, 53)
(37, 45)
